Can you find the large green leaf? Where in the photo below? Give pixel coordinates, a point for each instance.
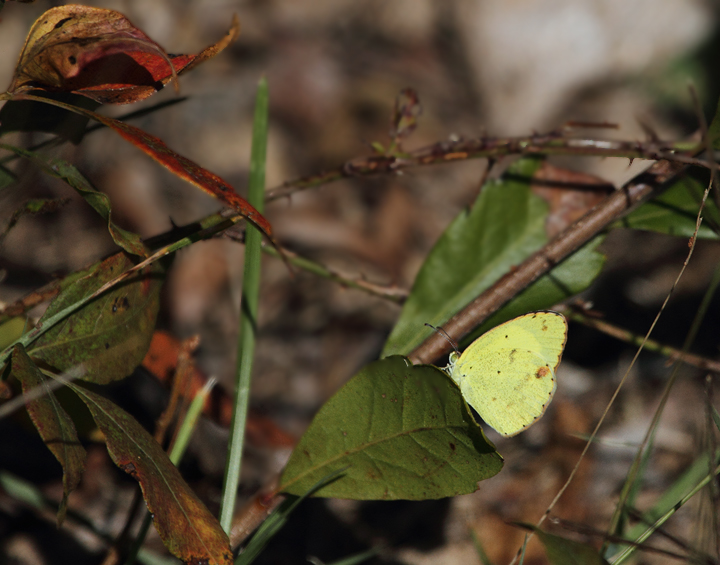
(400, 432)
(186, 526)
(505, 225)
(53, 424)
(675, 212)
(571, 276)
(111, 334)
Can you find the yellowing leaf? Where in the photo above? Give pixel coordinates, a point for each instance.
(186, 526)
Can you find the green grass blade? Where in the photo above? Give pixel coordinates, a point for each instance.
(248, 309)
(646, 446)
(480, 550)
(190, 422)
(628, 552)
(354, 559)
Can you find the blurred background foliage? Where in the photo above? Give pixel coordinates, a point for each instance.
(334, 69)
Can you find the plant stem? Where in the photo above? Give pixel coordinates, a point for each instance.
(248, 310)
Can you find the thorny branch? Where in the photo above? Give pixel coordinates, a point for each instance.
(553, 143)
(642, 187)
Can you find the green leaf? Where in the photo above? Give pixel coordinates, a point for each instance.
(354, 559)
(22, 490)
(63, 170)
(571, 276)
(505, 225)
(479, 549)
(100, 202)
(675, 212)
(378, 147)
(111, 334)
(401, 431)
(185, 525)
(54, 425)
(11, 330)
(672, 497)
(562, 551)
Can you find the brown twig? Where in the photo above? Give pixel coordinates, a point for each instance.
(392, 293)
(254, 512)
(646, 184)
(553, 143)
(180, 384)
(29, 301)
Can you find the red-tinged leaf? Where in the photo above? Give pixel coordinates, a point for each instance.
(176, 163)
(100, 54)
(189, 171)
(262, 431)
(110, 334)
(161, 358)
(66, 40)
(186, 526)
(162, 361)
(53, 424)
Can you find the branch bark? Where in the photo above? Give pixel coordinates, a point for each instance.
(647, 184)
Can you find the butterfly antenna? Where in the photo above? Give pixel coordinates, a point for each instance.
(443, 333)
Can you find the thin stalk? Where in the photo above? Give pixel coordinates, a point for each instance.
(646, 445)
(391, 293)
(672, 353)
(624, 555)
(248, 309)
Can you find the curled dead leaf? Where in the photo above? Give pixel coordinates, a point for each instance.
(100, 54)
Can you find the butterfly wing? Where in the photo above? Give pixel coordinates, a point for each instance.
(508, 373)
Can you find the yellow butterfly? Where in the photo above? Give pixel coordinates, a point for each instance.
(508, 374)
